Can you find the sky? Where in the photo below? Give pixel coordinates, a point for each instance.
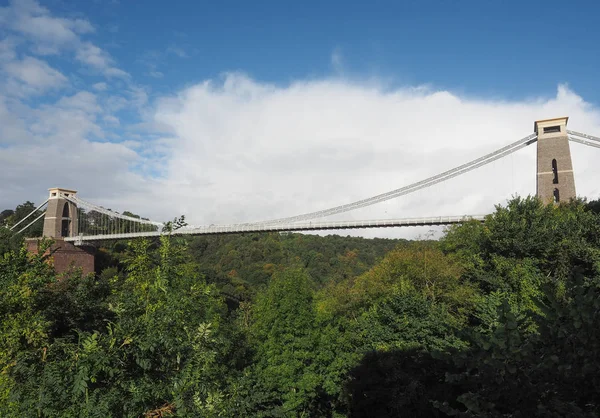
(233, 111)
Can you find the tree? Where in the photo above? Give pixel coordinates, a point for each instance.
(399, 383)
(499, 319)
(526, 245)
(283, 379)
(126, 344)
(409, 320)
(421, 267)
(552, 373)
(5, 214)
(23, 210)
(23, 328)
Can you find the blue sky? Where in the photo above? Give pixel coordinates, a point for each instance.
(239, 111)
(504, 49)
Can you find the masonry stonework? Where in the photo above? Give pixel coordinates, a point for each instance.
(555, 179)
(66, 256)
(61, 215)
(60, 222)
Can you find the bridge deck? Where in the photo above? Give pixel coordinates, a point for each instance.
(289, 227)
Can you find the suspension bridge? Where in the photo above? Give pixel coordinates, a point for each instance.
(75, 220)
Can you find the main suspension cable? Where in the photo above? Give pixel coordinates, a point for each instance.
(34, 211)
(32, 222)
(584, 136)
(109, 213)
(486, 159)
(584, 142)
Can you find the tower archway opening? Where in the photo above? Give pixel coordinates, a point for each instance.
(66, 221)
(554, 171)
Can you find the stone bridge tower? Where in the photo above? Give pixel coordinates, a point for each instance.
(555, 180)
(61, 215)
(60, 222)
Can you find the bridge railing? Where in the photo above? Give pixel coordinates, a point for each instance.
(289, 227)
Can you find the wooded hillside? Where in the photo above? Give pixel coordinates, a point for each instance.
(496, 319)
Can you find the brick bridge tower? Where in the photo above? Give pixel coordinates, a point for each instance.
(555, 181)
(60, 222)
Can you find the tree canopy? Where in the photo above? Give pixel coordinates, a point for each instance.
(496, 319)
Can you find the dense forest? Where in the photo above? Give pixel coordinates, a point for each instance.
(495, 319)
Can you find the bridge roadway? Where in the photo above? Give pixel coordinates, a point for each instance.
(285, 227)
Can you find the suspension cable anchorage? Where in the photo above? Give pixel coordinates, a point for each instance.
(412, 187)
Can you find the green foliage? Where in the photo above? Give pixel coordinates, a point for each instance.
(498, 319)
(525, 246)
(594, 206)
(5, 215)
(242, 265)
(399, 383)
(23, 328)
(420, 268)
(284, 335)
(9, 218)
(409, 320)
(9, 241)
(550, 373)
(124, 345)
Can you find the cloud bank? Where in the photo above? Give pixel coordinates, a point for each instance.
(234, 149)
(241, 150)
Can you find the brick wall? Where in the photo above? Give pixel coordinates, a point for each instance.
(66, 256)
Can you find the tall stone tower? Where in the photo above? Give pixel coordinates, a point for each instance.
(555, 180)
(61, 215)
(60, 222)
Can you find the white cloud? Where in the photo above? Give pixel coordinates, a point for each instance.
(12, 128)
(55, 144)
(95, 57)
(112, 120)
(244, 151)
(83, 101)
(73, 139)
(236, 150)
(50, 31)
(68, 123)
(82, 165)
(7, 49)
(49, 35)
(114, 104)
(36, 75)
(90, 54)
(115, 72)
(137, 96)
(100, 86)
